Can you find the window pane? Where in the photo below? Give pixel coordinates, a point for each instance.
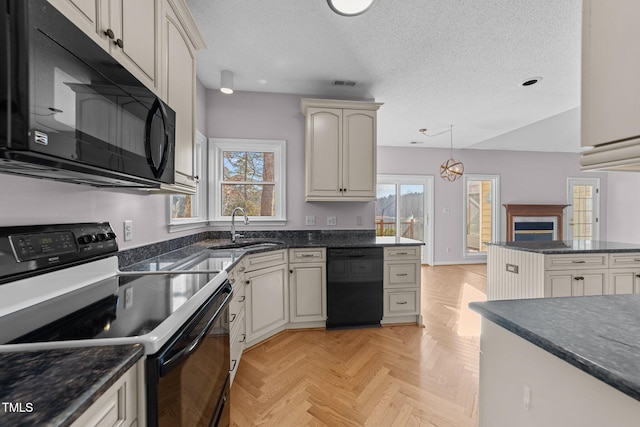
(252, 166)
(386, 210)
(256, 199)
(412, 211)
(183, 206)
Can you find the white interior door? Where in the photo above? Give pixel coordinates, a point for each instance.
(582, 215)
(404, 208)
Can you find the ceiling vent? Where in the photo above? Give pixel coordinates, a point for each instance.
(343, 83)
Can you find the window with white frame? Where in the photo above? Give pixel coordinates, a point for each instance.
(185, 210)
(247, 173)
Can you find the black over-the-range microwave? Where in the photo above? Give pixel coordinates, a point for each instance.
(70, 112)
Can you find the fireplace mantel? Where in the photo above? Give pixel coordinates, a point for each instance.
(533, 210)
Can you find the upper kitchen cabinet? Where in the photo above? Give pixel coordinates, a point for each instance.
(610, 86)
(340, 150)
(180, 40)
(128, 30)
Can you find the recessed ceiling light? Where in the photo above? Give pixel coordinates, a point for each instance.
(531, 81)
(349, 7)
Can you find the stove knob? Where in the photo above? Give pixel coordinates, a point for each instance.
(111, 235)
(86, 239)
(101, 237)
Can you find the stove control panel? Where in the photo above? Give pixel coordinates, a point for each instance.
(28, 249)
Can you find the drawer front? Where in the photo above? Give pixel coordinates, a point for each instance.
(630, 259)
(265, 259)
(307, 255)
(565, 262)
(401, 302)
(237, 343)
(402, 252)
(402, 274)
(237, 302)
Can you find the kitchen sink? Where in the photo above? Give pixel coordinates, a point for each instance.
(234, 250)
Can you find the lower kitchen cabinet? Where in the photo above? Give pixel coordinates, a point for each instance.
(237, 324)
(122, 405)
(567, 283)
(307, 288)
(402, 285)
(267, 295)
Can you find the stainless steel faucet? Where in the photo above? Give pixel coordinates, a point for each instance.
(233, 223)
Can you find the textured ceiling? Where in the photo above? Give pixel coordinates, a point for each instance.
(432, 63)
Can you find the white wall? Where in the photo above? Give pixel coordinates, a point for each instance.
(623, 224)
(278, 116)
(525, 177)
(27, 201)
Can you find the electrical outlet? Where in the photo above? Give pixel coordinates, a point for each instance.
(310, 220)
(332, 220)
(128, 230)
(128, 297)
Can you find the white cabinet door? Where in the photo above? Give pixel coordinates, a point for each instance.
(359, 154)
(324, 152)
(267, 302)
(179, 92)
(134, 23)
(624, 281)
(128, 30)
(308, 292)
(558, 284)
(610, 69)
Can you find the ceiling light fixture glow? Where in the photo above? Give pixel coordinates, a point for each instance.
(350, 7)
(226, 82)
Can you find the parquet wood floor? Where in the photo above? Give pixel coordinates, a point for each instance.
(389, 376)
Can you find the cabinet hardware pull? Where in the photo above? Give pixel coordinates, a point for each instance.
(232, 281)
(401, 274)
(109, 33)
(233, 317)
(291, 271)
(233, 367)
(244, 338)
(578, 278)
(247, 282)
(638, 275)
(636, 259)
(579, 261)
(402, 253)
(241, 269)
(119, 43)
(308, 255)
(242, 298)
(401, 303)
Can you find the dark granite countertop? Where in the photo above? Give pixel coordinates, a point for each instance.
(568, 246)
(597, 334)
(54, 387)
(227, 253)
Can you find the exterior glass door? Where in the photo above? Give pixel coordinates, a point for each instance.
(402, 209)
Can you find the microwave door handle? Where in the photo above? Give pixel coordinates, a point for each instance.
(193, 345)
(158, 170)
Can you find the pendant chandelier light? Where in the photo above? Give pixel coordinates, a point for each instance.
(452, 169)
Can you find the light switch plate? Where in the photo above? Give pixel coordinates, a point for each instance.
(332, 220)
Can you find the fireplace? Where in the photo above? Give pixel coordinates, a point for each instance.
(526, 222)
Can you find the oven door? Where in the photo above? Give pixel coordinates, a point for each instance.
(188, 379)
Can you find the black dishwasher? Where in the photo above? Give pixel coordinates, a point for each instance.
(354, 287)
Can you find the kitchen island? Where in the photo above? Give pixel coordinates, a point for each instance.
(558, 362)
(539, 269)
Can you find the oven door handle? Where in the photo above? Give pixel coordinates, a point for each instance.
(168, 365)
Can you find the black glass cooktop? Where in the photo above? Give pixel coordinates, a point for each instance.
(122, 306)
